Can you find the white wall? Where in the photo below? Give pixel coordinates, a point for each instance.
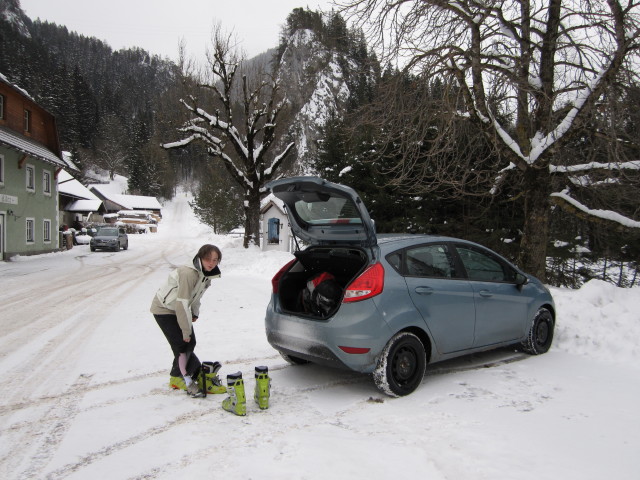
(285, 232)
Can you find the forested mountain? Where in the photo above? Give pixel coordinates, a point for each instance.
(115, 107)
(106, 102)
(327, 69)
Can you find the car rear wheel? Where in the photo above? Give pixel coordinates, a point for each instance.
(401, 365)
(540, 334)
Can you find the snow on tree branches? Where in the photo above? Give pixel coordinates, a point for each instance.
(238, 126)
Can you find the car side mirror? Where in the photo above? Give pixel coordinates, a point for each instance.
(521, 279)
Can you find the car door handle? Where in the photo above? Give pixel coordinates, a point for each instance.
(424, 290)
(485, 293)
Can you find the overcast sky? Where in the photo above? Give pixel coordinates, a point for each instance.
(158, 25)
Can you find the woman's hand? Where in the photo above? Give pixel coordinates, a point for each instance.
(193, 319)
(187, 340)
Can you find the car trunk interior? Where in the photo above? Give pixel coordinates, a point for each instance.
(343, 263)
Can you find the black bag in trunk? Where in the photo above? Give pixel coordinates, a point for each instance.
(321, 294)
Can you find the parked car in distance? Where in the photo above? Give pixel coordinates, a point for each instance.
(109, 238)
(83, 237)
(391, 305)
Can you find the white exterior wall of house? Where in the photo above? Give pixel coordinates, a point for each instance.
(274, 227)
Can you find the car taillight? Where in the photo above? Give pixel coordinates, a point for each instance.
(275, 281)
(354, 350)
(367, 285)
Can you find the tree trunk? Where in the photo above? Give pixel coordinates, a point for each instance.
(252, 218)
(533, 247)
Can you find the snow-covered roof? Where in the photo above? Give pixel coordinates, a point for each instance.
(73, 188)
(117, 185)
(134, 212)
(16, 87)
(138, 202)
(32, 148)
(129, 202)
(271, 199)
(84, 206)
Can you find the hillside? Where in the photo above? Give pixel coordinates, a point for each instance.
(115, 103)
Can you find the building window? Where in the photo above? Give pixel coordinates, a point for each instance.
(27, 120)
(46, 182)
(46, 231)
(31, 178)
(1, 171)
(30, 230)
(1, 107)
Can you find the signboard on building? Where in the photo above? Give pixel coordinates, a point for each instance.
(10, 199)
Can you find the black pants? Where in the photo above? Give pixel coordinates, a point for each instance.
(169, 326)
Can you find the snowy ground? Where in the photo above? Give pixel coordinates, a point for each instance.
(85, 393)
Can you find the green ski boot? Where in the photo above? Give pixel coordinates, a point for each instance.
(213, 383)
(236, 401)
(262, 390)
(177, 383)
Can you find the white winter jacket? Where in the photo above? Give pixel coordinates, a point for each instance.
(181, 294)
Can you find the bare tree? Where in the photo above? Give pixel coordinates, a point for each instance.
(239, 126)
(528, 72)
(111, 148)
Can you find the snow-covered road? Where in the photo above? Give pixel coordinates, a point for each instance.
(85, 396)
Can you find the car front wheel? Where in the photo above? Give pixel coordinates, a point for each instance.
(401, 365)
(540, 334)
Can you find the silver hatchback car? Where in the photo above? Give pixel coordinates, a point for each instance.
(389, 305)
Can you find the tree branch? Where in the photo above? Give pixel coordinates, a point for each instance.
(607, 217)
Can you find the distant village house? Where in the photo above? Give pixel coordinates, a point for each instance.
(114, 203)
(78, 205)
(30, 162)
(276, 233)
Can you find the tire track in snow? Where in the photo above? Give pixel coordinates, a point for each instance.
(85, 291)
(81, 389)
(86, 278)
(60, 300)
(90, 458)
(53, 340)
(42, 446)
(232, 365)
(43, 306)
(286, 398)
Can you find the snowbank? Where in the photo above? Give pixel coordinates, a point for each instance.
(599, 320)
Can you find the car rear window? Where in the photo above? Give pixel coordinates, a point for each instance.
(331, 211)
